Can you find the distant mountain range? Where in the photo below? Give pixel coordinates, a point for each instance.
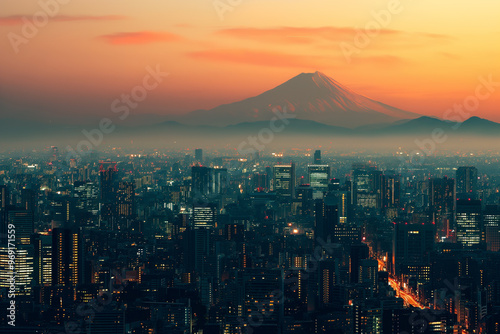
(320, 106)
(420, 126)
(310, 96)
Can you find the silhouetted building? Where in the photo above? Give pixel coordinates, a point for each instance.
(412, 245)
(319, 176)
(469, 222)
(284, 180)
(67, 261)
(317, 157)
(466, 182)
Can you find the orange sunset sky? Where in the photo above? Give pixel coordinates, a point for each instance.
(427, 57)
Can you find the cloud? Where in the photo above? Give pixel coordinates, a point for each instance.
(260, 58)
(20, 19)
(140, 37)
(297, 35)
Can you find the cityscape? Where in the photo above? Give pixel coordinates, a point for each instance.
(292, 242)
(249, 167)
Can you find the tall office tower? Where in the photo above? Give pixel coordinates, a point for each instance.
(284, 180)
(467, 182)
(317, 157)
(4, 204)
(411, 247)
(261, 293)
(86, 195)
(23, 269)
(43, 259)
(391, 191)
(198, 155)
(24, 225)
(4, 197)
(491, 227)
(343, 200)
(328, 277)
(202, 179)
(469, 222)
(198, 249)
(304, 194)
(366, 186)
(442, 204)
(107, 196)
(358, 253)
(270, 175)
(327, 217)
(220, 181)
(60, 209)
(66, 257)
(205, 215)
(125, 200)
(28, 199)
(319, 176)
(368, 272)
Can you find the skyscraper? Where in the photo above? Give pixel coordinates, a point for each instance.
(220, 181)
(284, 180)
(491, 226)
(198, 155)
(391, 191)
(366, 186)
(202, 179)
(24, 225)
(468, 222)
(125, 200)
(327, 217)
(411, 246)
(317, 157)
(4, 203)
(319, 176)
(205, 215)
(262, 294)
(466, 182)
(107, 172)
(358, 253)
(442, 204)
(66, 256)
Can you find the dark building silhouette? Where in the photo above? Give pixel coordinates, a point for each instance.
(317, 157)
(66, 257)
(469, 222)
(466, 182)
(358, 252)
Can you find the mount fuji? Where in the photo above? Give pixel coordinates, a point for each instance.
(310, 96)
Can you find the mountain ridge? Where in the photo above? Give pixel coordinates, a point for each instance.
(311, 96)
